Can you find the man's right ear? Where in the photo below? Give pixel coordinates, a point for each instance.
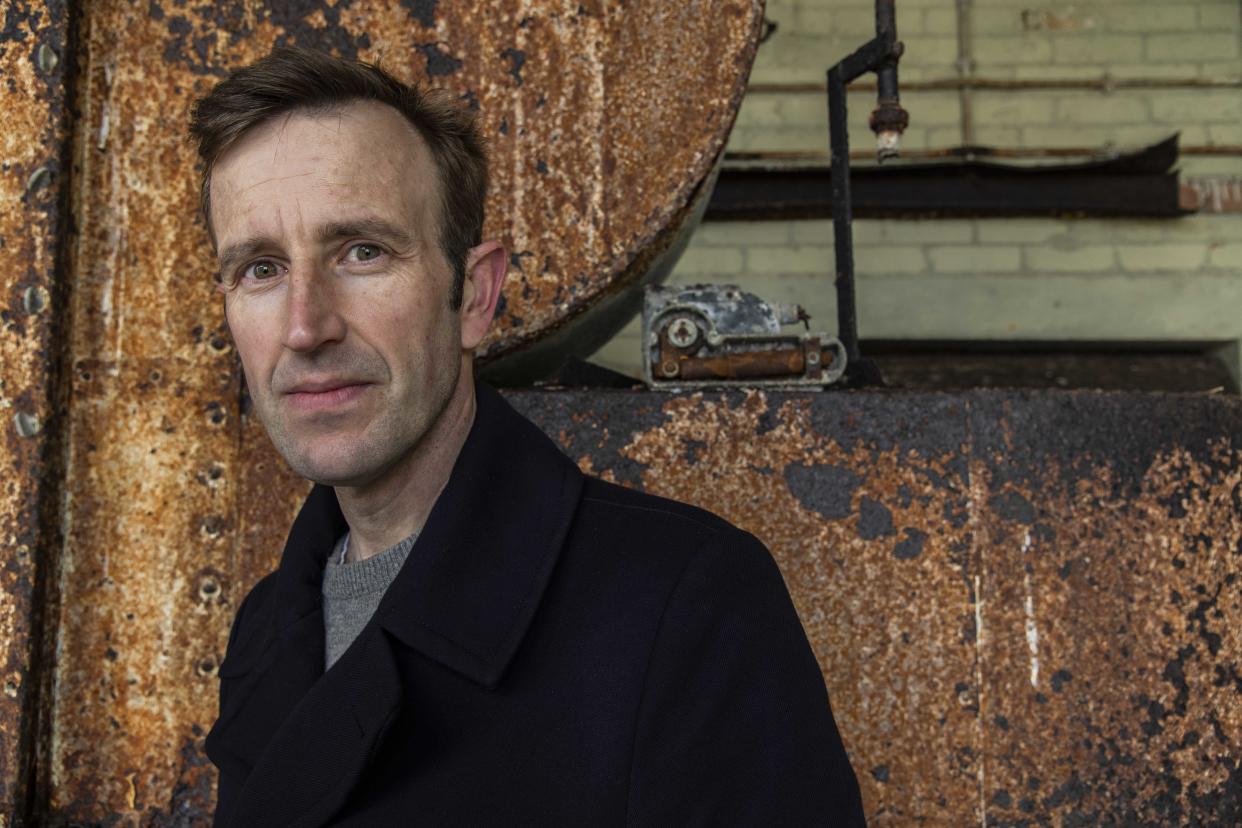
(486, 266)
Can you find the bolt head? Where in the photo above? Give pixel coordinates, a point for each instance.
(683, 333)
(27, 424)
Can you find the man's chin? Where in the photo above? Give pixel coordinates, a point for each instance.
(331, 466)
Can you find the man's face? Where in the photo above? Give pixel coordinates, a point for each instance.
(336, 292)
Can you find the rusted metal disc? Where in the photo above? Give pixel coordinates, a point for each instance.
(605, 120)
(603, 117)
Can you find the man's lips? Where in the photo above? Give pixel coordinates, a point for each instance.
(324, 394)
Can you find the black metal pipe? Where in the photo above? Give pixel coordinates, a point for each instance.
(842, 219)
(886, 30)
(889, 120)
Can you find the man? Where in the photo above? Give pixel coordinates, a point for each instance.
(463, 629)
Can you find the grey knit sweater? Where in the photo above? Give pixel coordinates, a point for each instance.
(352, 591)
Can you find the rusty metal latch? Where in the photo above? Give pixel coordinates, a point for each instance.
(718, 335)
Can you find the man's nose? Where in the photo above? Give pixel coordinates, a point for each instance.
(313, 313)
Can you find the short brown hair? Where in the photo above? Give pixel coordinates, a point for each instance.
(293, 78)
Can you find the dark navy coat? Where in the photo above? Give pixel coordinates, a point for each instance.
(555, 651)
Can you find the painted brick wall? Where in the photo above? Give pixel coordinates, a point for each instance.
(1021, 279)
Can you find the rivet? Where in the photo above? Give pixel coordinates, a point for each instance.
(27, 424)
(46, 58)
(39, 179)
(34, 299)
(812, 358)
(670, 368)
(207, 667)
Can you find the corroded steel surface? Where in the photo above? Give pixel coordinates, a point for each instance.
(32, 135)
(603, 117)
(1026, 605)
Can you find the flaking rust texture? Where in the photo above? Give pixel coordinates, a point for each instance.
(1026, 606)
(32, 136)
(602, 118)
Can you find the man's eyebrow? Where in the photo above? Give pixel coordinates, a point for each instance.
(367, 227)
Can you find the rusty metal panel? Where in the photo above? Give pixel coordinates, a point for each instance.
(32, 138)
(174, 502)
(1026, 605)
(1111, 615)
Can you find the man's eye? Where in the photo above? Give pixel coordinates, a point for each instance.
(261, 270)
(364, 252)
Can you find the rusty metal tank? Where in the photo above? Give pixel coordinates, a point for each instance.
(140, 499)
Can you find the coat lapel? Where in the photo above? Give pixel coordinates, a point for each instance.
(319, 753)
(465, 598)
(473, 582)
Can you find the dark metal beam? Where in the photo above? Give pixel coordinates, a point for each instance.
(1141, 184)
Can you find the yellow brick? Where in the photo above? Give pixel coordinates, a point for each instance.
(1066, 136)
(975, 259)
(1204, 46)
(1097, 49)
(789, 259)
(1183, 258)
(858, 23)
(1148, 17)
(819, 231)
(1013, 108)
(988, 22)
(1197, 106)
(944, 137)
(890, 259)
(937, 21)
(1228, 256)
(711, 261)
(1005, 51)
(1225, 133)
(1117, 108)
(918, 231)
(929, 50)
(931, 109)
(1057, 259)
(1220, 16)
(1020, 230)
(735, 233)
(989, 135)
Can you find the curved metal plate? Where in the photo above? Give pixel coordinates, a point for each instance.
(604, 118)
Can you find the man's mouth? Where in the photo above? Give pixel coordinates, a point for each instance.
(322, 395)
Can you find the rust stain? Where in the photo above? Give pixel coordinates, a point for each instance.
(1025, 614)
(31, 137)
(1113, 656)
(890, 619)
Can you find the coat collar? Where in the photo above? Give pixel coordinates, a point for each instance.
(474, 579)
(465, 598)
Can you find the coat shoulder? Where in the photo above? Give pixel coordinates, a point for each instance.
(657, 528)
(647, 513)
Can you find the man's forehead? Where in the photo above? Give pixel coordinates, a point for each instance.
(357, 157)
(360, 135)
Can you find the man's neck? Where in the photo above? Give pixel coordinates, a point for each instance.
(395, 505)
